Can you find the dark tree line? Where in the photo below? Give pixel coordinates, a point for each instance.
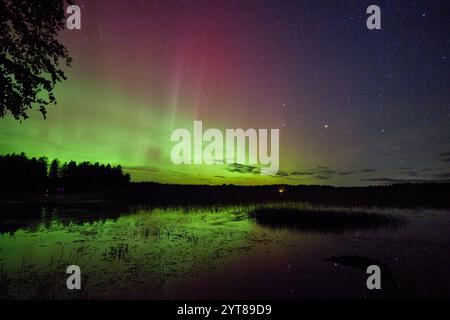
(19, 173)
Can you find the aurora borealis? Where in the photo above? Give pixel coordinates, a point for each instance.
(354, 106)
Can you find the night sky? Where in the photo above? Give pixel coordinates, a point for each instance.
(354, 106)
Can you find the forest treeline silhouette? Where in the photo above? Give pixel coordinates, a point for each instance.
(21, 173)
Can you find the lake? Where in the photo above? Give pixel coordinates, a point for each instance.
(224, 252)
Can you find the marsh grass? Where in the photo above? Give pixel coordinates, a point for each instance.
(324, 221)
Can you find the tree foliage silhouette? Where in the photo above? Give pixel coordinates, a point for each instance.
(31, 56)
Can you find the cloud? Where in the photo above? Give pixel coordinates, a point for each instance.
(420, 172)
(368, 170)
(406, 168)
(243, 168)
(347, 173)
(296, 179)
(326, 173)
(320, 177)
(445, 156)
(141, 169)
(398, 181)
(410, 173)
(325, 170)
(281, 173)
(445, 175)
(302, 173)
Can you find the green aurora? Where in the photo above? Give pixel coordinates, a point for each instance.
(138, 139)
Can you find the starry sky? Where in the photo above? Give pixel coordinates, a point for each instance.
(354, 106)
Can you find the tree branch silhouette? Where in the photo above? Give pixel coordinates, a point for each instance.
(31, 56)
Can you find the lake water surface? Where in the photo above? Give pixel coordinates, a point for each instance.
(221, 253)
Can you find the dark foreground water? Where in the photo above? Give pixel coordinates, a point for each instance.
(224, 253)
